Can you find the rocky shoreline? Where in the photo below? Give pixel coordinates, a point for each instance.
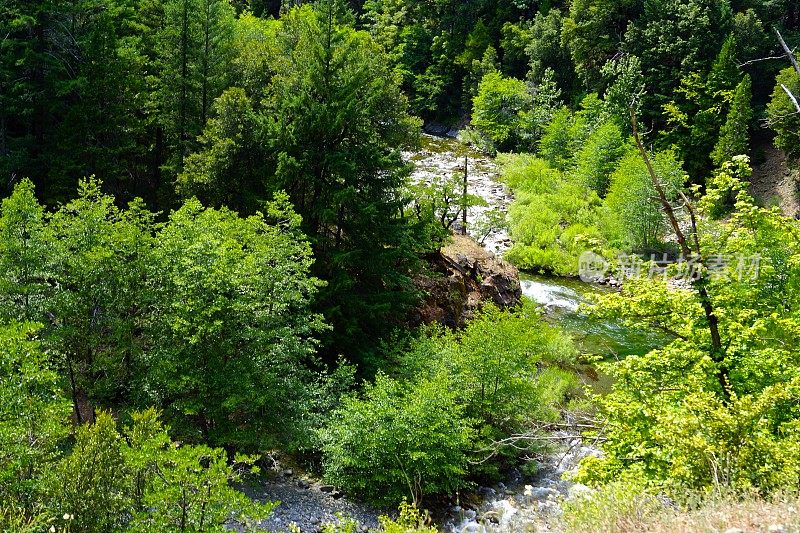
(307, 503)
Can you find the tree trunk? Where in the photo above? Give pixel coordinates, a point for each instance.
(464, 197)
(787, 50)
(699, 284)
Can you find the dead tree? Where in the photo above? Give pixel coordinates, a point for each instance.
(787, 50)
(690, 249)
(793, 60)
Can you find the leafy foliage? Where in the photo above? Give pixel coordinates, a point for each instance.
(783, 115)
(32, 419)
(634, 219)
(142, 481)
(327, 128)
(498, 107)
(175, 314)
(456, 392)
(670, 422)
(233, 324)
(398, 440)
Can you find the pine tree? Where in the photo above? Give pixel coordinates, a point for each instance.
(734, 138)
(194, 50)
(328, 129)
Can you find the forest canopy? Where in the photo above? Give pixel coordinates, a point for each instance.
(212, 251)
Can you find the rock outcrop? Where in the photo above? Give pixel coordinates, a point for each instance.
(462, 276)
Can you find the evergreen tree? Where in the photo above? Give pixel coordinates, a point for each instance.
(696, 113)
(734, 138)
(546, 50)
(30, 66)
(329, 131)
(102, 128)
(673, 39)
(194, 50)
(593, 33)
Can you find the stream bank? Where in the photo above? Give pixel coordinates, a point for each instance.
(519, 503)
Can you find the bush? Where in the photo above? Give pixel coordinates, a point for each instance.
(553, 218)
(398, 440)
(33, 421)
(634, 217)
(504, 367)
(93, 482)
(143, 481)
(409, 520)
(616, 507)
(498, 107)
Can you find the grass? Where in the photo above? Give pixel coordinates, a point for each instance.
(618, 508)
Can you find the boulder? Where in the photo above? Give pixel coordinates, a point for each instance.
(460, 279)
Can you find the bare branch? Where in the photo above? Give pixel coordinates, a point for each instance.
(787, 50)
(791, 97)
(760, 59)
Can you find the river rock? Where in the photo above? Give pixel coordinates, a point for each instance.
(436, 128)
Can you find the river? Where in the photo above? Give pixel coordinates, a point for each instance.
(531, 504)
(518, 504)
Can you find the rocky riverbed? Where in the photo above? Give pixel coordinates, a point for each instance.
(307, 503)
(518, 504)
(526, 504)
(444, 157)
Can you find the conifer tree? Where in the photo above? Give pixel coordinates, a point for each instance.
(194, 50)
(734, 136)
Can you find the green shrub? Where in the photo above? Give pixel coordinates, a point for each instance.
(409, 520)
(504, 367)
(552, 219)
(634, 218)
(186, 487)
(497, 109)
(142, 481)
(93, 482)
(398, 440)
(33, 419)
(618, 506)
